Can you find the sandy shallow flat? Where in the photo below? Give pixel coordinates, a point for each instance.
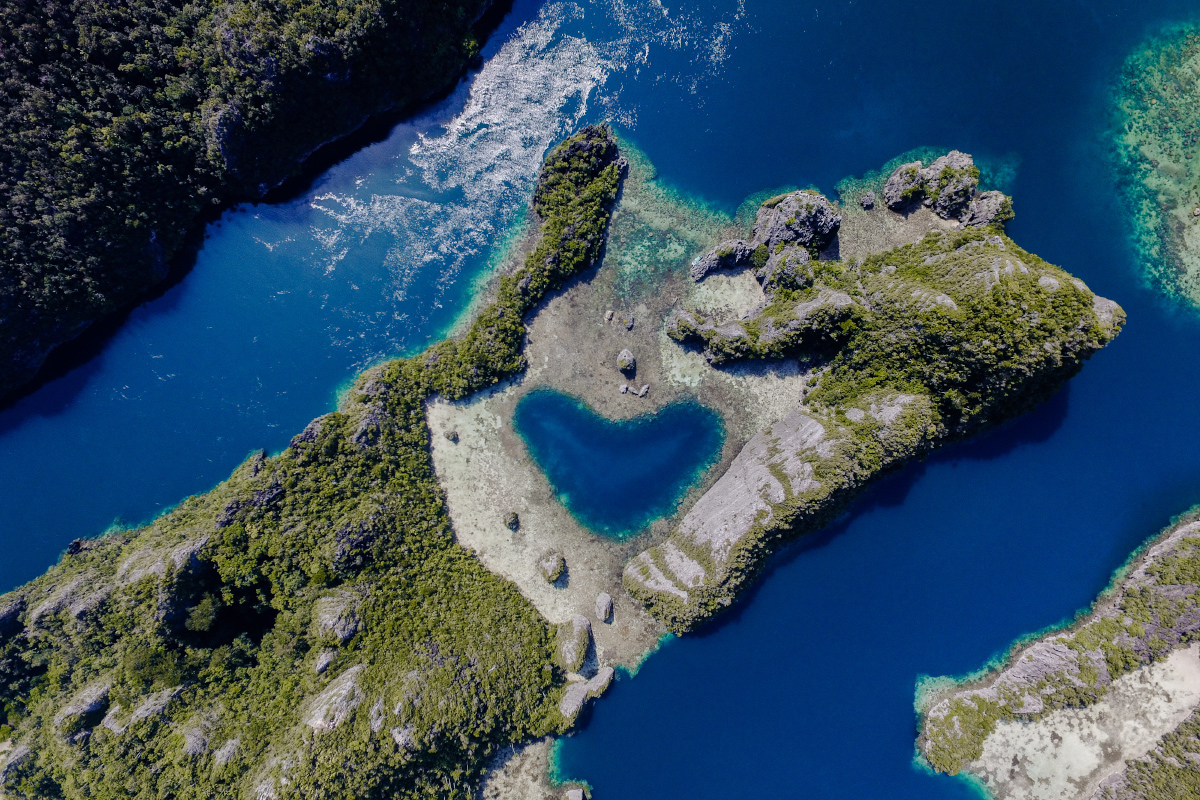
(1066, 754)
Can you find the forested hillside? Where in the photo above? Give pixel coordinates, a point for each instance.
(122, 120)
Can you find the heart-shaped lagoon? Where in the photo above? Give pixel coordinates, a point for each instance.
(616, 477)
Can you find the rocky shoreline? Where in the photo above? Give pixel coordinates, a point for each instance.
(1101, 710)
(891, 340)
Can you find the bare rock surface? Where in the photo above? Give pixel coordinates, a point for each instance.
(337, 702)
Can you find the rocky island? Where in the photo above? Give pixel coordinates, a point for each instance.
(1106, 709)
(401, 596)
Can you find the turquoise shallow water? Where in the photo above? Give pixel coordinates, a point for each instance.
(616, 477)
(805, 687)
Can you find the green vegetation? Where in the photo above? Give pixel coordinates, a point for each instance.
(909, 348)
(310, 627)
(1142, 620)
(120, 122)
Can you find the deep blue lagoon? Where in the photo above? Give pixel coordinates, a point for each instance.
(616, 477)
(805, 687)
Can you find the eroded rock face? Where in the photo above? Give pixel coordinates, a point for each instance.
(784, 227)
(337, 702)
(947, 187)
(336, 616)
(579, 692)
(771, 485)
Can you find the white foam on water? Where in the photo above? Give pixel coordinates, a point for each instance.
(463, 181)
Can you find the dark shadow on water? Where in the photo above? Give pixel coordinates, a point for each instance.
(891, 490)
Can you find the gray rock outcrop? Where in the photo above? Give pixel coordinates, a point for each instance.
(334, 705)
(335, 617)
(574, 640)
(784, 227)
(867, 201)
(83, 707)
(948, 187)
(604, 607)
(626, 362)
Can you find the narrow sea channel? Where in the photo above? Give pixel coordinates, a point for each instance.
(805, 688)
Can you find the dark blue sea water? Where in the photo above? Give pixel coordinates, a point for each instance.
(805, 687)
(616, 477)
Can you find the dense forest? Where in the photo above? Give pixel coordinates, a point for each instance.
(122, 121)
(309, 628)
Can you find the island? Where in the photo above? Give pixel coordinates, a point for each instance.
(414, 598)
(1107, 708)
(125, 126)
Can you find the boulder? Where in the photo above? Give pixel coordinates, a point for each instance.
(324, 659)
(626, 362)
(867, 201)
(574, 640)
(604, 607)
(552, 566)
(512, 521)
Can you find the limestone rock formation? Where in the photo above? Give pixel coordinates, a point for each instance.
(604, 607)
(335, 617)
(626, 362)
(948, 188)
(579, 692)
(803, 221)
(1115, 682)
(910, 339)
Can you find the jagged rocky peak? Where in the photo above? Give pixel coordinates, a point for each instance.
(788, 230)
(948, 187)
